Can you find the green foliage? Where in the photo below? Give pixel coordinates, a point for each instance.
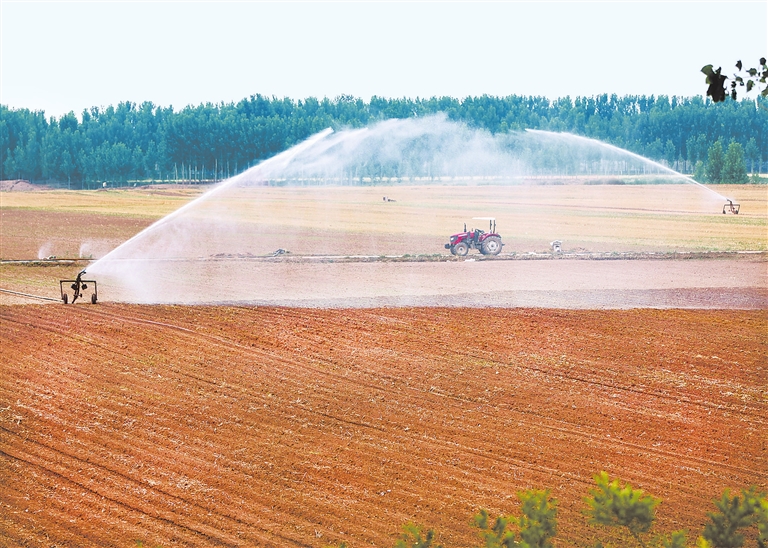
(735, 513)
(676, 540)
(715, 161)
(538, 523)
(734, 165)
(744, 78)
(496, 535)
(145, 142)
(613, 505)
(761, 516)
(700, 171)
(715, 82)
(411, 537)
(752, 153)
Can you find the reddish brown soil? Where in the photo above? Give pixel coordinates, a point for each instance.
(38, 234)
(278, 427)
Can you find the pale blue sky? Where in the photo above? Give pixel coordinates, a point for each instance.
(62, 56)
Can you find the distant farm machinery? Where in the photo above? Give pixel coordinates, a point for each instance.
(488, 243)
(79, 287)
(730, 207)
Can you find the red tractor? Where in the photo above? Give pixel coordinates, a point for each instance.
(488, 243)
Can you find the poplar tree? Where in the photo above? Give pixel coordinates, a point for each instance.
(714, 169)
(734, 165)
(752, 153)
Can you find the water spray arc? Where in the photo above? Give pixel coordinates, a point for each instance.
(276, 163)
(623, 151)
(220, 247)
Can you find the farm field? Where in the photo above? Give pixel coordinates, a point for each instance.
(220, 251)
(245, 426)
(356, 220)
(385, 391)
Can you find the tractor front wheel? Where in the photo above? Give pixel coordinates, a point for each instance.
(492, 246)
(460, 249)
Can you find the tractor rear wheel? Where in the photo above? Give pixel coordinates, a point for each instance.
(460, 249)
(492, 245)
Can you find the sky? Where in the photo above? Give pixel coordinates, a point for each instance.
(69, 56)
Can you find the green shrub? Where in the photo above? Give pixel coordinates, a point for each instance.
(411, 538)
(734, 514)
(613, 505)
(495, 536)
(537, 524)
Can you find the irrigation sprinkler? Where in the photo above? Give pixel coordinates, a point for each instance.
(78, 285)
(730, 207)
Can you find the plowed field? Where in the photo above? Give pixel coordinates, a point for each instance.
(249, 426)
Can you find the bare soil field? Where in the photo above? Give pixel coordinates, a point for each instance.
(727, 282)
(719, 281)
(356, 221)
(19, 185)
(380, 391)
(220, 252)
(73, 224)
(249, 426)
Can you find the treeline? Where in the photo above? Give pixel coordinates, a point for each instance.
(145, 142)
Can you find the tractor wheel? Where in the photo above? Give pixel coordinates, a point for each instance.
(460, 249)
(492, 246)
(65, 298)
(453, 251)
(93, 298)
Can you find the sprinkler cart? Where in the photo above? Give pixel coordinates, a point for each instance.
(730, 207)
(488, 243)
(78, 285)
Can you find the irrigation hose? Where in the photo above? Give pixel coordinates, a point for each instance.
(30, 295)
